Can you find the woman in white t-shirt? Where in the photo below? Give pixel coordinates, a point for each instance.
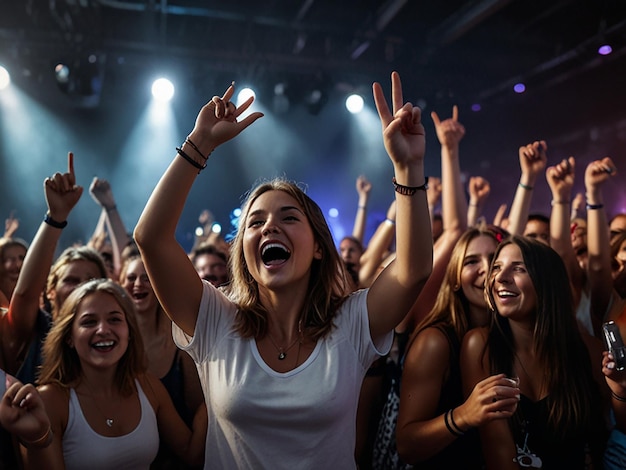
(283, 349)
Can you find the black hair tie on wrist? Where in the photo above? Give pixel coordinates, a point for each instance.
(54, 223)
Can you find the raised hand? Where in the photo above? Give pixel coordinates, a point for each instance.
(479, 189)
(101, 192)
(363, 186)
(217, 121)
(533, 158)
(449, 131)
(560, 178)
(403, 132)
(11, 224)
(598, 172)
(61, 191)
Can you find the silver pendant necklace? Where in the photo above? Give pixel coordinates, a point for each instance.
(109, 421)
(282, 352)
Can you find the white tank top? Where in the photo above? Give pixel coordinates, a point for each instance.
(84, 448)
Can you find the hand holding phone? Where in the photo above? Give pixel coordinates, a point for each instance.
(615, 344)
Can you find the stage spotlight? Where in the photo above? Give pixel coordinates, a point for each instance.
(162, 90)
(519, 88)
(605, 49)
(281, 99)
(5, 78)
(244, 94)
(216, 228)
(354, 103)
(81, 78)
(315, 100)
(62, 73)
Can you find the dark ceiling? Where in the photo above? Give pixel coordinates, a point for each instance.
(447, 52)
(452, 50)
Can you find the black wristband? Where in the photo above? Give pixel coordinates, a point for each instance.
(408, 190)
(54, 223)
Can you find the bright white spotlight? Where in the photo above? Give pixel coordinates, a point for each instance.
(5, 78)
(216, 228)
(199, 231)
(162, 90)
(244, 94)
(333, 212)
(354, 103)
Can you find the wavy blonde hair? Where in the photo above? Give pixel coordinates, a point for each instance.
(328, 282)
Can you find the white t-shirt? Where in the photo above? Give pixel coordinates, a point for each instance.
(260, 418)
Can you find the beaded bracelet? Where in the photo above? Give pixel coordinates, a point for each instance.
(408, 190)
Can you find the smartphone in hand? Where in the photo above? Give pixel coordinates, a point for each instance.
(615, 344)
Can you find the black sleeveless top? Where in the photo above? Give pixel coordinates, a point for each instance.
(465, 452)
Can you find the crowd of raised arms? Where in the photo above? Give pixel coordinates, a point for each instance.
(448, 340)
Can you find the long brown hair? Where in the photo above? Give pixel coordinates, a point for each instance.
(572, 393)
(328, 282)
(61, 364)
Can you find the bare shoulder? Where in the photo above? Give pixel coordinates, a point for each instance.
(475, 339)
(56, 399)
(430, 348)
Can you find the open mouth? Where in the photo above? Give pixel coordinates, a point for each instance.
(140, 295)
(274, 253)
(103, 346)
(504, 294)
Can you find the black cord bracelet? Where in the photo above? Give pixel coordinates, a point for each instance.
(182, 153)
(453, 423)
(195, 147)
(408, 190)
(452, 431)
(617, 397)
(54, 223)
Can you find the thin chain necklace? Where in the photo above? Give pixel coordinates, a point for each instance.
(109, 421)
(282, 352)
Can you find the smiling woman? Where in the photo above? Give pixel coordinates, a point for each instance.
(104, 409)
(282, 350)
(534, 336)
